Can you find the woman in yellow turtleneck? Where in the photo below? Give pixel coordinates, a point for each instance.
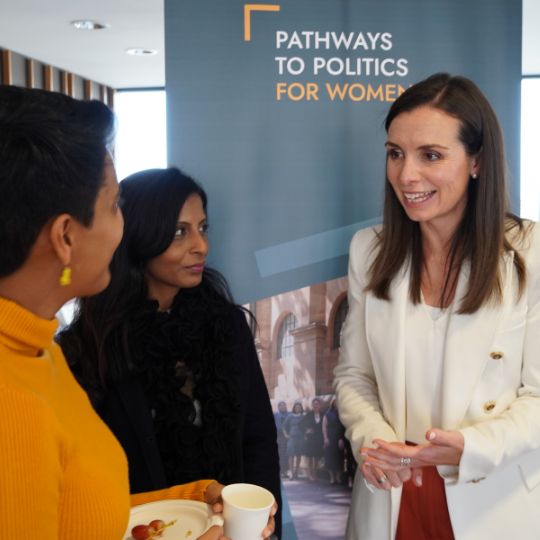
(62, 473)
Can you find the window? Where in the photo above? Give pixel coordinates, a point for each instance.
(285, 341)
(339, 319)
(141, 137)
(140, 143)
(530, 120)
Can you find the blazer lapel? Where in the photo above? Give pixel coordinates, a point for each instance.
(468, 342)
(385, 328)
(385, 324)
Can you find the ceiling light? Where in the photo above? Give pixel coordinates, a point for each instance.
(137, 51)
(87, 24)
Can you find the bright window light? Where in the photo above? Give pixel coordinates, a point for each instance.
(141, 137)
(140, 143)
(530, 120)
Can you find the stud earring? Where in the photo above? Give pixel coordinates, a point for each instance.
(65, 276)
(474, 176)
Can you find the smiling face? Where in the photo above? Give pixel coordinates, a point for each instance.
(298, 409)
(181, 265)
(428, 167)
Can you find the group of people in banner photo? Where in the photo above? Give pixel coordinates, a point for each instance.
(311, 443)
(155, 390)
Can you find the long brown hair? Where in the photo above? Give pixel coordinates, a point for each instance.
(482, 235)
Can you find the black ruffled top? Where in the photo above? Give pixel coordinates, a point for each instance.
(183, 356)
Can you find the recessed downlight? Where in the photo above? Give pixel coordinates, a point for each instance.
(138, 51)
(87, 24)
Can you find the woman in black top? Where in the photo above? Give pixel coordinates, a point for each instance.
(314, 442)
(334, 443)
(166, 357)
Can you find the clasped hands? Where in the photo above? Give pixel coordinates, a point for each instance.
(390, 464)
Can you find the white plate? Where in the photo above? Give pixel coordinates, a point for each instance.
(193, 518)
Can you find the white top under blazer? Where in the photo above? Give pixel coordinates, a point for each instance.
(424, 351)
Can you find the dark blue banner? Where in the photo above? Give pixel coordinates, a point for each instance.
(277, 109)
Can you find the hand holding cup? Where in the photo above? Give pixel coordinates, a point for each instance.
(246, 509)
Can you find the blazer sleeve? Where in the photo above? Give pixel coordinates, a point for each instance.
(355, 383)
(259, 439)
(516, 430)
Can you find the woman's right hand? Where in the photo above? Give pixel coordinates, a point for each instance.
(386, 480)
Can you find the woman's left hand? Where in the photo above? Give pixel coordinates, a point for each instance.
(445, 447)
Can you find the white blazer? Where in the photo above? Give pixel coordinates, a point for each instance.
(491, 393)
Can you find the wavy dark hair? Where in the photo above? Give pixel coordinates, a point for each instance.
(482, 235)
(120, 335)
(99, 339)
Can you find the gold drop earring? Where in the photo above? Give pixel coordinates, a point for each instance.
(65, 276)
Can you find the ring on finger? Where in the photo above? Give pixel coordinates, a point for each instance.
(382, 479)
(405, 461)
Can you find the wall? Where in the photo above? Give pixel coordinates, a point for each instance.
(19, 70)
(308, 370)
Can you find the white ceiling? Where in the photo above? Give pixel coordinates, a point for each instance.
(40, 29)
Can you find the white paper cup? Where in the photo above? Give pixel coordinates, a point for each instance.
(246, 508)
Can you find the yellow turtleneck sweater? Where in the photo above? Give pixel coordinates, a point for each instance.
(63, 475)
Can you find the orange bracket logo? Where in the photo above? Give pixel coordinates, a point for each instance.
(248, 8)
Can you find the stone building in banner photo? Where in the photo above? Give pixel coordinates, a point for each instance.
(297, 340)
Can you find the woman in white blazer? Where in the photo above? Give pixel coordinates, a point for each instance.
(438, 381)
